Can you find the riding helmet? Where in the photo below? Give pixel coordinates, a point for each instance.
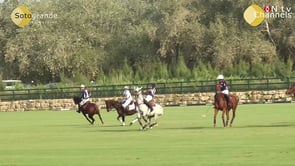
(220, 77)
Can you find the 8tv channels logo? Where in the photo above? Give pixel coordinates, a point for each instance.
(254, 15)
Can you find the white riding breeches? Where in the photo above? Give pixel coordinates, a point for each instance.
(225, 92)
(126, 103)
(148, 98)
(84, 101)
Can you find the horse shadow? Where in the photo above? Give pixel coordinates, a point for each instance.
(275, 125)
(187, 128)
(108, 130)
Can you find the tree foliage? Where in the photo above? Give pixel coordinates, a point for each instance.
(116, 41)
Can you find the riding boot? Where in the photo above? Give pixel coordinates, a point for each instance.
(79, 109)
(228, 101)
(125, 110)
(148, 104)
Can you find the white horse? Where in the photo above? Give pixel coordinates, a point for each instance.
(145, 112)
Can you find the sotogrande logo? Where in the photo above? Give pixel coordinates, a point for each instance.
(21, 16)
(254, 14)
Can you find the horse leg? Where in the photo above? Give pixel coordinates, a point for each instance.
(123, 120)
(119, 118)
(140, 123)
(91, 117)
(136, 119)
(234, 115)
(148, 123)
(143, 115)
(145, 119)
(223, 112)
(215, 114)
(156, 121)
(86, 117)
(100, 117)
(227, 117)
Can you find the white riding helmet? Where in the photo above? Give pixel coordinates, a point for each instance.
(126, 87)
(220, 77)
(82, 86)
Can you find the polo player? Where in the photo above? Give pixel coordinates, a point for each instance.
(224, 89)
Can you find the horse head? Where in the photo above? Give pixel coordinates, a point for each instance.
(77, 99)
(139, 97)
(218, 88)
(109, 106)
(291, 90)
(137, 90)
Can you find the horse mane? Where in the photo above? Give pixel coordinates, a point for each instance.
(77, 99)
(139, 98)
(113, 103)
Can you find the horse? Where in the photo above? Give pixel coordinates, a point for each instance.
(291, 90)
(90, 109)
(143, 108)
(110, 104)
(220, 103)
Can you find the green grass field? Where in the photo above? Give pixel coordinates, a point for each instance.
(262, 135)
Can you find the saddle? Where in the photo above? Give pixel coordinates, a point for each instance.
(131, 106)
(153, 103)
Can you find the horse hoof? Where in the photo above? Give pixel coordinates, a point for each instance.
(130, 124)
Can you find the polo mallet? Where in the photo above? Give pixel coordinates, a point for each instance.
(204, 115)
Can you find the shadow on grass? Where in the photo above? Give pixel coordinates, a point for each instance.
(187, 128)
(117, 130)
(275, 125)
(282, 124)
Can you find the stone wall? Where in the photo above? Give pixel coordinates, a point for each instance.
(168, 99)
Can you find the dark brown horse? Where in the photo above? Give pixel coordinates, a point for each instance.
(291, 90)
(220, 103)
(90, 109)
(110, 104)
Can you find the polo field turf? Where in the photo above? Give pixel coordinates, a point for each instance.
(262, 134)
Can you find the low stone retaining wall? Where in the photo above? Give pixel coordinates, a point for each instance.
(167, 100)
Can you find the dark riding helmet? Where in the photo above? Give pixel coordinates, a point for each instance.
(153, 85)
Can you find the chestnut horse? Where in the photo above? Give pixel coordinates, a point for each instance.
(291, 90)
(220, 103)
(110, 104)
(90, 109)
